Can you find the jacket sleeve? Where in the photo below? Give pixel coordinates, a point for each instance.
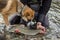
(43, 10)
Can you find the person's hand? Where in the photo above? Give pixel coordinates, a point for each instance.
(42, 28)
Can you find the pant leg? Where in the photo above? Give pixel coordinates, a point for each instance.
(46, 22)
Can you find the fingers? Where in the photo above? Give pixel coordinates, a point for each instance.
(41, 28)
(38, 23)
(42, 32)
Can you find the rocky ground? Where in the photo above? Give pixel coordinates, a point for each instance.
(54, 20)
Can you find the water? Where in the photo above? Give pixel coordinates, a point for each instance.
(54, 19)
(54, 15)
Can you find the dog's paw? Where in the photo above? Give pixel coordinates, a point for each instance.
(9, 27)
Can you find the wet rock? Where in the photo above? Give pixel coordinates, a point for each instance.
(2, 37)
(58, 35)
(33, 39)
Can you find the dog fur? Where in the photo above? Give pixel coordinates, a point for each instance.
(27, 13)
(11, 8)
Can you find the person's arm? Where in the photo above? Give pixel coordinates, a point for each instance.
(43, 10)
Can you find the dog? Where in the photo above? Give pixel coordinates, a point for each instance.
(10, 7)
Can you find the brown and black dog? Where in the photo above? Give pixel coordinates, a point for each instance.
(8, 7)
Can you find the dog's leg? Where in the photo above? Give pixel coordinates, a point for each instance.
(5, 10)
(5, 17)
